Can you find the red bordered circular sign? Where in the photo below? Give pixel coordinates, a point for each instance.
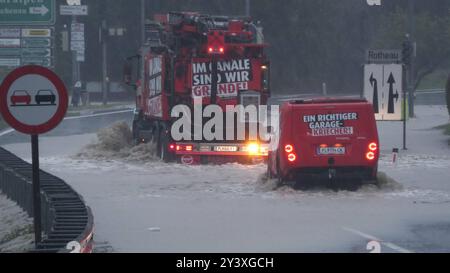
(33, 100)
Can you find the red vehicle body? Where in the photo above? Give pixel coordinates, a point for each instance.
(326, 138)
(176, 68)
(20, 97)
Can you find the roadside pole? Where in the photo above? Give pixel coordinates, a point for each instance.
(37, 218)
(44, 118)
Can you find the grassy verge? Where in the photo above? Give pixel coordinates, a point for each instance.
(436, 80)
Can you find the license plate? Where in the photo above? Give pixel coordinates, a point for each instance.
(332, 151)
(226, 149)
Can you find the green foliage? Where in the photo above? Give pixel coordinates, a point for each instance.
(432, 35)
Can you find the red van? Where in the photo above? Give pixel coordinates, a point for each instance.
(329, 139)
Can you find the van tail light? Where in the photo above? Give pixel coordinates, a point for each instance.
(370, 156)
(373, 147)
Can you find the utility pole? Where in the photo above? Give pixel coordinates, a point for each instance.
(412, 75)
(104, 37)
(247, 8)
(142, 22)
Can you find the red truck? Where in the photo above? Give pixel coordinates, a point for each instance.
(189, 57)
(327, 139)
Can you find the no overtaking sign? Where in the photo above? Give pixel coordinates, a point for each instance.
(33, 100)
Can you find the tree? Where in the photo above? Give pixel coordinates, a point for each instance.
(432, 37)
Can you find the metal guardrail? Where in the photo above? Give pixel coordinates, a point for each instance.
(65, 216)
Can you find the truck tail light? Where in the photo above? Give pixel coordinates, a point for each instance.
(181, 148)
(373, 147)
(289, 148)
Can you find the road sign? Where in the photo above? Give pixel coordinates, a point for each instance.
(8, 42)
(42, 61)
(10, 33)
(77, 36)
(36, 42)
(40, 12)
(384, 56)
(33, 100)
(9, 62)
(383, 87)
(73, 10)
(36, 32)
(24, 45)
(10, 51)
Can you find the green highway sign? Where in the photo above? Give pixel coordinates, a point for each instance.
(37, 12)
(10, 51)
(36, 42)
(47, 62)
(36, 52)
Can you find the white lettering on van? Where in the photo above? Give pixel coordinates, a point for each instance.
(330, 124)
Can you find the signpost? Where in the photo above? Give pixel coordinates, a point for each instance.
(384, 86)
(73, 10)
(33, 100)
(27, 12)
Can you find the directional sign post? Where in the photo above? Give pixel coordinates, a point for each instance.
(40, 12)
(383, 87)
(33, 100)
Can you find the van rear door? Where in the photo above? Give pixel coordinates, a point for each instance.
(341, 131)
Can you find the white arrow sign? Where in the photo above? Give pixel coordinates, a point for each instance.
(383, 87)
(42, 10)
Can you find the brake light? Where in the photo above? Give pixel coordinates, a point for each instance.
(292, 157)
(289, 148)
(338, 146)
(172, 147)
(211, 50)
(370, 156)
(373, 147)
(323, 146)
(189, 148)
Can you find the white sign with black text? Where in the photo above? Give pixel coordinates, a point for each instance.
(383, 87)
